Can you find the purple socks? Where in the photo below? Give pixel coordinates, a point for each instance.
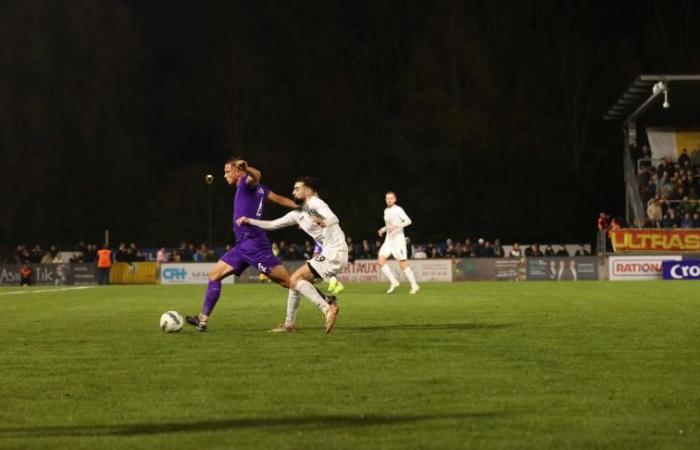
(211, 297)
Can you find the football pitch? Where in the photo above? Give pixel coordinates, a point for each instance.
(465, 365)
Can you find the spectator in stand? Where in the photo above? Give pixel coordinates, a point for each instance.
(534, 250)
(293, 252)
(684, 206)
(181, 252)
(25, 275)
(646, 154)
(76, 258)
(602, 222)
(549, 251)
(666, 185)
(562, 251)
(104, 264)
(121, 254)
(204, 253)
(36, 254)
(21, 255)
(47, 258)
(138, 256)
(486, 250)
(276, 250)
(498, 251)
(366, 251)
(351, 250)
(90, 254)
(468, 250)
(283, 250)
(191, 250)
(684, 158)
(434, 253)
(655, 212)
(409, 248)
(516, 251)
(420, 253)
(687, 221)
(581, 251)
(647, 191)
(308, 250)
(670, 219)
(378, 246)
(667, 165)
(450, 250)
(162, 255)
(696, 220)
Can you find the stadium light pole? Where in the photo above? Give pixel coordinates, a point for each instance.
(209, 179)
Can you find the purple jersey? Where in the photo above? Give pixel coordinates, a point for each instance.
(249, 201)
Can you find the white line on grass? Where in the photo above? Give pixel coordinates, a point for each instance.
(41, 291)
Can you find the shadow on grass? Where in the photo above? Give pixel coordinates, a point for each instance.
(336, 421)
(429, 327)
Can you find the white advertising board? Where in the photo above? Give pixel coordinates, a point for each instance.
(368, 271)
(188, 273)
(638, 267)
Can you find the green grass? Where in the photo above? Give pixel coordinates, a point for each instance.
(471, 365)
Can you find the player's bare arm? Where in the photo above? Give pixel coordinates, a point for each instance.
(254, 174)
(281, 200)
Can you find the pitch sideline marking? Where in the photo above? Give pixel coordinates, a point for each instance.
(41, 291)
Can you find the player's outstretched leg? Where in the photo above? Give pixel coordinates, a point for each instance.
(394, 283)
(335, 287)
(328, 305)
(289, 324)
(279, 275)
(410, 276)
(220, 271)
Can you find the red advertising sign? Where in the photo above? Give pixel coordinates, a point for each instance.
(649, 240)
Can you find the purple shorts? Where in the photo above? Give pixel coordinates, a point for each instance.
(251, 252)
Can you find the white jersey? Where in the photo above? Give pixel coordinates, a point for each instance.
(330, 237)
(395, 215)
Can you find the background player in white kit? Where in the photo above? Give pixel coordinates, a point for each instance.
(319, 222)
(395, 220)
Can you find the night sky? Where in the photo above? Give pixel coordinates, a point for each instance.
(484, 116)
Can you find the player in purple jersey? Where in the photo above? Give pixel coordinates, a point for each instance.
(252, 248)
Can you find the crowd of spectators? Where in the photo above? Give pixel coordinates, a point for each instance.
(187, 252)
(669, 189)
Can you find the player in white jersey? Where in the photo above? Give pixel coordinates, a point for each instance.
(319, 222)
(395, 220)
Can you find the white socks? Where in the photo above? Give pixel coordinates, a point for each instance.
(410, 276)
(292, 306)
(309, 291)
(389, 274)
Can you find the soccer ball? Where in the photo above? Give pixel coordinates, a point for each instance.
(171, 322)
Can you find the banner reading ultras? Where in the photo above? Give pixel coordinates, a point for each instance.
(646, 240)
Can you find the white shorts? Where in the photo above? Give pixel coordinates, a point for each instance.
(397, 249)
(328, 264)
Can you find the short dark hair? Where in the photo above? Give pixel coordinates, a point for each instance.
(233, 159)
(309, 182)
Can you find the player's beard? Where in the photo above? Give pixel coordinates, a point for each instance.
(298, 201)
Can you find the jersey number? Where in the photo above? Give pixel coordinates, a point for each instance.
(260, 206)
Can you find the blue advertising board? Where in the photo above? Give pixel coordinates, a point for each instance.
(681, 270)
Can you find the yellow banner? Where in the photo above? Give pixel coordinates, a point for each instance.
(687, 140)
(632, 240)
(134, 273)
